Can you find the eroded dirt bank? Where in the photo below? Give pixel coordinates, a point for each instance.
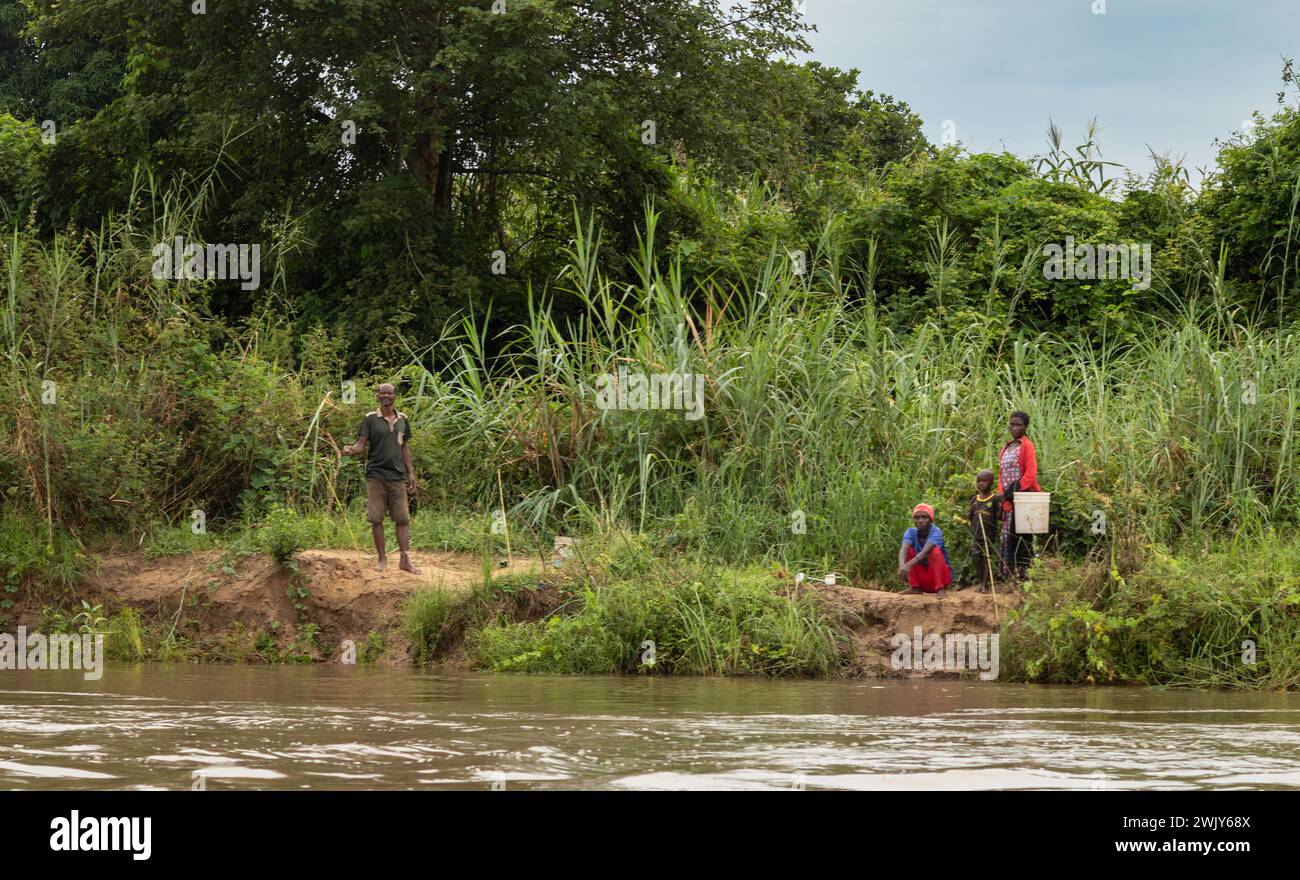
(223, 608)
(872, 617)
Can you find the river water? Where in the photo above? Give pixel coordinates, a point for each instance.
(152, 726)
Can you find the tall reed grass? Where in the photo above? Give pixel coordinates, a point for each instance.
(819, 410)
(815, 404)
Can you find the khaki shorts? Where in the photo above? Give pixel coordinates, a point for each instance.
(386, 494)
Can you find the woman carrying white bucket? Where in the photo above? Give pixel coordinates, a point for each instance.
(1017, 472)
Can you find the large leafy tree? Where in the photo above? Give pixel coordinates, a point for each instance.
(1252, 204)
(460, 110)
(61, 81)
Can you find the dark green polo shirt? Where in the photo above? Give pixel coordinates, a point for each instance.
(384, 445)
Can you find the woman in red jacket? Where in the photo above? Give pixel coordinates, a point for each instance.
(1017, 472)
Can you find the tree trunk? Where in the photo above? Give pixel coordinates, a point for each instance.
(430, 156)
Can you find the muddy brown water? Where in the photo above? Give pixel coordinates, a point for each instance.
(152, 726)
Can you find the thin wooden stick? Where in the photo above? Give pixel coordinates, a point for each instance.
(329, 484)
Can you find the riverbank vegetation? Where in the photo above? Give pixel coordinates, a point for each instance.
(864, 309)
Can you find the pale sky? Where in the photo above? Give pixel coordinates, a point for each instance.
(1174, 74)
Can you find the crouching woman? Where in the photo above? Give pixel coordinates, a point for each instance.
(922, 558)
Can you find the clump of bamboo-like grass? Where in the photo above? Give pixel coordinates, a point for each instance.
(815, 405)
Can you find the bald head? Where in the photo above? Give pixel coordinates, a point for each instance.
(387, 394)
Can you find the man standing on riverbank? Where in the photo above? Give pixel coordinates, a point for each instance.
(390, 475)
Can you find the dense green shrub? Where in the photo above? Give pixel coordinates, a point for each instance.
(22, 158)
(1229, 616)
(710, 622)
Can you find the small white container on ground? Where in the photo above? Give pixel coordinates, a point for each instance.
(1032, 512)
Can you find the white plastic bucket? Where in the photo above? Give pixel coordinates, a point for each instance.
(1032, 512)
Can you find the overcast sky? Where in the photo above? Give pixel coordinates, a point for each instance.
(1174, 74)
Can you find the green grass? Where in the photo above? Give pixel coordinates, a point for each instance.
(1179, 428)
(373, 649)
(1180, 431)
(715, 623)
(1226, 617)
(175, 540)
(284, 531)
(126, 636)
(30, 561)
(424, 615)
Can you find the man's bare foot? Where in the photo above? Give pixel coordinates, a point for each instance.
(405, 565)
(383, 564)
